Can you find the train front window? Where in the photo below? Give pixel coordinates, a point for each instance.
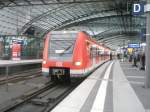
(61, 46)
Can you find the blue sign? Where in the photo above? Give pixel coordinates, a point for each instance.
(134, 45)
(17, 41)
(138, 9)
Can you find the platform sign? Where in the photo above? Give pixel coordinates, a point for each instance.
(134, 45)
(138, 9)
(16, 49)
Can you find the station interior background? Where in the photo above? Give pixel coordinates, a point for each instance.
(108, 21)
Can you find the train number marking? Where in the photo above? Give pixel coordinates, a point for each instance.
(59, 64)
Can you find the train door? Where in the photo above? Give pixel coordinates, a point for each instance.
(94, 55)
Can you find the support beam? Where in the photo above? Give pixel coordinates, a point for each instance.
(28, 2)
(43, 2)
(147, 78)
(13, 1)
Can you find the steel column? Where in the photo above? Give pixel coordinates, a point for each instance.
(147, 78)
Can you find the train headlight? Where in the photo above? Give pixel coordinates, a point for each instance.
(78, 63)
(44, 62)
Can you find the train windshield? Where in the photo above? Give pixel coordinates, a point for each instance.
(61, 46)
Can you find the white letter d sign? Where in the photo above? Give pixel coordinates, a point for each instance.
(137, 8)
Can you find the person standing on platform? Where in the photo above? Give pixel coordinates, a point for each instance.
(135, 57)
(130, 57)
(110, 56)
(142, 60)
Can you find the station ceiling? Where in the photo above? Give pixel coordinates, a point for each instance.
(109, 21)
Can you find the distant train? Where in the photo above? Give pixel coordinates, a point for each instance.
(71, 54)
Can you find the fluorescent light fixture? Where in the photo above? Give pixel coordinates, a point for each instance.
(65, 32)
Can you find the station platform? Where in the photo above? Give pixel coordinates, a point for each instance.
(14, 66)
(114, 87)
(18, 62)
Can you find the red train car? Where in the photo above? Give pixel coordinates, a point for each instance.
(71, 54)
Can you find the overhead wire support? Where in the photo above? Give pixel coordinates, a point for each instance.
(13, 1)
(43, 2)
(28, 2)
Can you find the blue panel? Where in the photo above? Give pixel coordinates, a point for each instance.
(134, 45)
(138, 9)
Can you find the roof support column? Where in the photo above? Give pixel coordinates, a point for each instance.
(147, 78)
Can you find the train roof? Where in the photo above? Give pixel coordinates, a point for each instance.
(65, 31)
(56, 32)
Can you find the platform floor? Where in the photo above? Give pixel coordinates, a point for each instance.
(136, 78)
(114, 87)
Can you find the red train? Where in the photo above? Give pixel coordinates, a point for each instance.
(71, 54)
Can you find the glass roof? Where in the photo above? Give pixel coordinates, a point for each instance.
(102, 18)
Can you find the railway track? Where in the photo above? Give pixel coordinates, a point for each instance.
(20, 76)
(43, 99)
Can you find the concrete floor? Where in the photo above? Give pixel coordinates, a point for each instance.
(136, 77)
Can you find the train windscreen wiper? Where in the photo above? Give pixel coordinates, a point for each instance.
(66, 49)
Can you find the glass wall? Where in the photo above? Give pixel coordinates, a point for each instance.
(31, 47)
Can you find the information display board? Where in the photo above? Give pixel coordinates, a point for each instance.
(134, 45)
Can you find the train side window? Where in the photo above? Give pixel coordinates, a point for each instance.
(97, 51)
(94, 51)
(91, 52)
(87, 43)
(88, 47)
